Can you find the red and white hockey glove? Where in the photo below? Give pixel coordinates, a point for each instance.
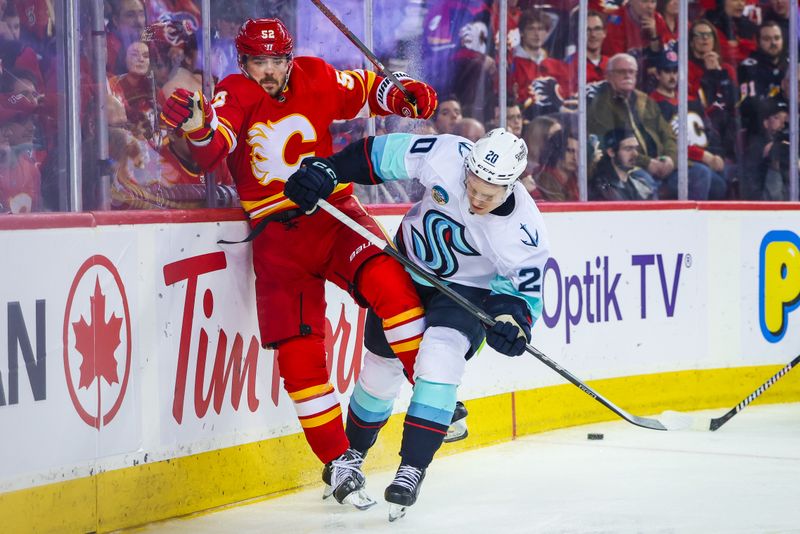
(190, 115)
(393, 100)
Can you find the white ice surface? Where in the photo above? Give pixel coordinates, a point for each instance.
(743, 478)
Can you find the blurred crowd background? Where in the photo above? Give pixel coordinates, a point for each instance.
(82, 82)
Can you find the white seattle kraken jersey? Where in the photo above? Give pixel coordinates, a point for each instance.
(506, 254)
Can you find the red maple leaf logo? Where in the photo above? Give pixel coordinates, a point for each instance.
(97, 342)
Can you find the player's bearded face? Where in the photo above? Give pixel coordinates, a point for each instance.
(483, 197)
(269, 71)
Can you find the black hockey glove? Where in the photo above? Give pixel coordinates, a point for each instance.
(512, 331)
(314, 180)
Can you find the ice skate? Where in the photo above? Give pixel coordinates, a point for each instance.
(458, 424)
(403, 490)
(345, 481)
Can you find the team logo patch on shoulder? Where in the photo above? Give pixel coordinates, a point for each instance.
(439, 195)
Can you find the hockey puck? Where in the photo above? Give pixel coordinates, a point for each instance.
(594, 436)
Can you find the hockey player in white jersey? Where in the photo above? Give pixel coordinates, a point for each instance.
(473, 229)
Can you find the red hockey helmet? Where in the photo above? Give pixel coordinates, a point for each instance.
(264, 37)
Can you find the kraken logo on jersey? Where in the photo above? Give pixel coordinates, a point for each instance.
(443, 237)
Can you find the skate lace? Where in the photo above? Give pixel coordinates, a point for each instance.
(407, 477)
(341, 467)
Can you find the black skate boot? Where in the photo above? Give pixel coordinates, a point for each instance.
(345, 481)
(458, 424)
(403, 490)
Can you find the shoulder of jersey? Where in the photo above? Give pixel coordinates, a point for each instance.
(310, 75)
(310, 67)
(749, 62)
(447, 158)
(243, 89)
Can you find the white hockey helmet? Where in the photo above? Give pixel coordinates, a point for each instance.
(499, 157)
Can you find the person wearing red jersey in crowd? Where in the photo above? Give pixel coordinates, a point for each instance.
(124, 27)
(714, 83)
(266, 121)
(530, 61)
(736, 32)
(705, 144)
(135, 87)
(636, 29)
(596, 61)
(20, 177)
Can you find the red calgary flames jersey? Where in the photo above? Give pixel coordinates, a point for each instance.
(265, 139)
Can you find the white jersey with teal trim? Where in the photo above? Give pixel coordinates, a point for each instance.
(504, 253)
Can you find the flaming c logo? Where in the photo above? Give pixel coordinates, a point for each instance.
(97, 341)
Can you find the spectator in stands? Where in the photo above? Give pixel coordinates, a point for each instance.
(618, 104)
(37, 26)
(226, 19)
(636, 29)
(714, 83)
(20, 178)
(669, 10)
(536, 134)
(475, 73)
(704, 143)
(30, 137)
(447, 114)
(186, 10)
(135, 88)
(514, 120)
(175, 42)
(616, 176)
(736, 33)
(596, 61)
(761, 74)
(125, 27)
(512, 23)
(469, 128)
(778, 11)
(13, 52)
(558, 181)
(766, 165)
(443, 22)
(707, 71)
(530, 61)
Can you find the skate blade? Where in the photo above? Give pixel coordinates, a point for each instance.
(360, 500)
(327, 492)
(456, 432)
(396, 511)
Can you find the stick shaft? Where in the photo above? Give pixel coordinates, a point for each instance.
(364, 50)
(652, 424)
(719, 421)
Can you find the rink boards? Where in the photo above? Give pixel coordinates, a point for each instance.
(133, 387)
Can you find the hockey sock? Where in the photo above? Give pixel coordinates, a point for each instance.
(426, 422)
(385, 285)
(320, 416)
(305, 377)
(365, 417)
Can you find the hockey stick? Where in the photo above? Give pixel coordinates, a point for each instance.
(487, 319)
(686, 421)
(364, 50)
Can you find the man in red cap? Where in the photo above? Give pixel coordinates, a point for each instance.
(266, 120)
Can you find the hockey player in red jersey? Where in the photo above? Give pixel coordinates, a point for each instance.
(266, 120)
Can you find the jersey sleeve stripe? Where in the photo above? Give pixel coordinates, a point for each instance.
(228, 135)
(503, 286)
(367, 150)
(388, 156)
